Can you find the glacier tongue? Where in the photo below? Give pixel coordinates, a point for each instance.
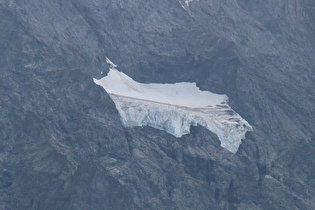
(174, 108)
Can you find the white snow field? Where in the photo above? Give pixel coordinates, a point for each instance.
(174, 108)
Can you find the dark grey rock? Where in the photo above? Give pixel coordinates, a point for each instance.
(62, 145)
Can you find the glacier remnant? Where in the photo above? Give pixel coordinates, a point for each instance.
(174, 108)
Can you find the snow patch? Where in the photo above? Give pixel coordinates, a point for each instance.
(179, 94)
(112, 65)
(174, 108)
(187, 2)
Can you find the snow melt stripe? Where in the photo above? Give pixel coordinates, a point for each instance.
(174, 108)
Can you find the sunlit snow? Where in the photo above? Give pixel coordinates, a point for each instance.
(112, 65)
(174, 108)
(187, 2)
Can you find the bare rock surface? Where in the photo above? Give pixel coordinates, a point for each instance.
(62, 145)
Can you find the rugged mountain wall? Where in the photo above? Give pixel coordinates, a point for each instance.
(62, 145)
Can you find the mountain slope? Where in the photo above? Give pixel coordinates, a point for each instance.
(62, 145)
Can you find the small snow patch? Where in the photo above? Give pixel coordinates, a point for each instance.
(187, 2)
(112, 65)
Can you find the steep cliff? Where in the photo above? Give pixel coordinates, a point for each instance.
(62, 145)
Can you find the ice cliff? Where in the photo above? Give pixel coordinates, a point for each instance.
(174, 108)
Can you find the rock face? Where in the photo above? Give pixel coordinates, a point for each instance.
(62, 145)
